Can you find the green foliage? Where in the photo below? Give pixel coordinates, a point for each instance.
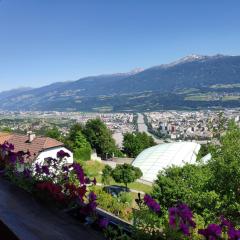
(204, 150)
(107, 175)
(210, 189)
(82, 154)
(134, 143)
(28, 184)
(225, 167)
(140, 187)
(118, 153)
(71, 138)
(78, 143)
(126, 173)
(125, 197)
(186, 184)
(6, 129)
(100, 137)
(92, 168)
(53, 133)
(111, 204)
(149, 225)
(81, 147)
(74, 130)
(146, 224)
(116, 234)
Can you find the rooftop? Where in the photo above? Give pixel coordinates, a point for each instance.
(22, 143)
(156, 158)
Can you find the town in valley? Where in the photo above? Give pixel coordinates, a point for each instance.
(163, 126)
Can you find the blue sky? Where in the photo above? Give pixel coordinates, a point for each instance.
(44, 41)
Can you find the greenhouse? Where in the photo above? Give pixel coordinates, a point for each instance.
(156, 158)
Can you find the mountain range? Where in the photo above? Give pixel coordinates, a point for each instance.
(193, 82)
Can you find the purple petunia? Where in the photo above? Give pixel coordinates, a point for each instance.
(184, 228)
(45, 169)
(12, 158)
(79, 172)
(27, 173)
(225, 222)
(11, 147)
(213, 232)
(38, 168)
(103, 223)
(2, 171)
(94, 181)
(61, 154)
(87, 180)
(65, 169)
(233, 234)
(92, 197)
(7, 147)
(181, 217)
(92, 206)
(151, 203)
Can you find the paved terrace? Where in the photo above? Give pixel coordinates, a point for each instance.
(29, 220)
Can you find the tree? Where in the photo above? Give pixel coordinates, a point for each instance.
(74, 130)
(126, 173)
(53, 133)
(188, 184)
(78, 143)
(211, 189)
(100, 137)
(107, 175)
(6, 129)
(204, 150)
(225, 167)
(81, 147)
(134, 143)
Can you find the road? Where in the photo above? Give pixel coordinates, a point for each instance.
(142, 127)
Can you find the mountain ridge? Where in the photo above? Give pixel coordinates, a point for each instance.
(157, 87)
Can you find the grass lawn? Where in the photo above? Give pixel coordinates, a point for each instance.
(94, 169)
(199, 97)
(231, 98)
(140, 187)
(217, 86)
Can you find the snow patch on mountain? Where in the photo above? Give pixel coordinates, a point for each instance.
(190, 58)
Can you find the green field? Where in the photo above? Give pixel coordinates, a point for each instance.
(231, 98)
(103, 109)
(222, 86)
(94, 169)
(200, 97)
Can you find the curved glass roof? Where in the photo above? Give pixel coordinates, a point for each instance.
(156, 158)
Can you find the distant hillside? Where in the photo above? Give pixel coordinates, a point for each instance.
(189, 83)
(13, 92)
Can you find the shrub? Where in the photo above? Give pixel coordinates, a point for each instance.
(107, 175)
(126, 173)
(111, 204)
(82, 154)
(92, 168)
(125, 197)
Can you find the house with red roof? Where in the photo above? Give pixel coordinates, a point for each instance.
(40, 148)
